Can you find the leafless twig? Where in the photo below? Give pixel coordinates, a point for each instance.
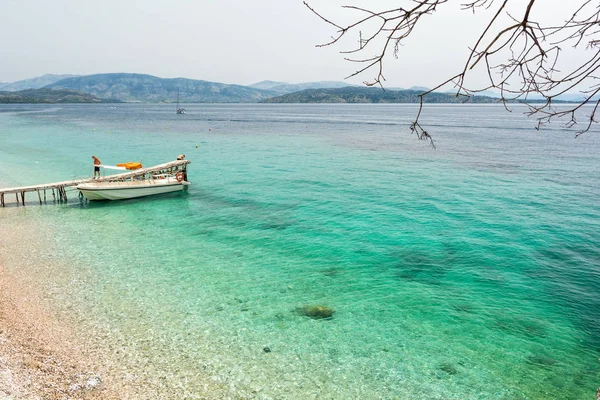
(521, 56)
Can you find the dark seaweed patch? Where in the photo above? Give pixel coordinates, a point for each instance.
(520, 326)
(541, 360)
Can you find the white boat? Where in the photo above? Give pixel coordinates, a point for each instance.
(130, 189)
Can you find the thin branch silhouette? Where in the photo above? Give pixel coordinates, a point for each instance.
(521, 55)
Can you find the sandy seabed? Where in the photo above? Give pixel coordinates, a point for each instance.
(41, 355)
(45, 350)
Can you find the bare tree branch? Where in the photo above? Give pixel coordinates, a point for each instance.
(521, 57)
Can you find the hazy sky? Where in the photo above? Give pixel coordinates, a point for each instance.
(229, 41)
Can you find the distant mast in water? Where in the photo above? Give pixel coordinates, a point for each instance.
(179, 109)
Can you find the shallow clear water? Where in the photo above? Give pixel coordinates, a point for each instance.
(467, 272)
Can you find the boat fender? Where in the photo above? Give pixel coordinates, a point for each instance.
(179, 176)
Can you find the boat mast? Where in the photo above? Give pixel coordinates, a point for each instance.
(179, 109)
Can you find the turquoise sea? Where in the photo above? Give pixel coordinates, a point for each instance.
(470, 271)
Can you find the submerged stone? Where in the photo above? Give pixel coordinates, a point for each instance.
(316, 312)
(464, 308)
(523, 327)
(449, 369)
(541, 360)
(280, 316)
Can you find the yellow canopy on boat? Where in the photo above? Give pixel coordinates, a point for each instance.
(130, 165)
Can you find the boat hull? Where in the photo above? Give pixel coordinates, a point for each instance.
(129, 189)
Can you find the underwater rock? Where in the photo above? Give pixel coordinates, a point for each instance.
(541, 360)
(464, 308)
(279, 316)
(316, 312)
(523, 327)
(449, 369)
(267, 349)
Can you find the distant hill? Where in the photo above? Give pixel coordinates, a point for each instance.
(148, 88)
(420, 89)
(266, 85)
(129, 87)
(48, 96)
(357, 94)
(280, 88)
(576, 97)
(536, 98)
(33, 83)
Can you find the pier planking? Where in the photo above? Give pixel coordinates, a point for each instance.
(59, 189)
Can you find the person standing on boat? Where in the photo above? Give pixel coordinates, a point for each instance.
(96, 166)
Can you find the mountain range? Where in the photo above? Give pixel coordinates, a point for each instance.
(33, 83)
(130, 87)
(285, 88)
(371, 95)
(151, 89)
(48, 96)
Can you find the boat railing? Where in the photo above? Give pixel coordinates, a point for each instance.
(59, 189)
(162, 176)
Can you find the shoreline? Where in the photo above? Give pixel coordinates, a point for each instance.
(48, 350)
(41, 355)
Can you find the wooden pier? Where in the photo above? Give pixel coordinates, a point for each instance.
(59, 189)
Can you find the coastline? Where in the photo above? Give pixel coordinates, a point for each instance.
(37, 358)
(42, 356)
(48, 350)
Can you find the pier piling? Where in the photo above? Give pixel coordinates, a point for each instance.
(59, 189)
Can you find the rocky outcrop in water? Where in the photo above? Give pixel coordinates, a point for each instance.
(316, 312)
